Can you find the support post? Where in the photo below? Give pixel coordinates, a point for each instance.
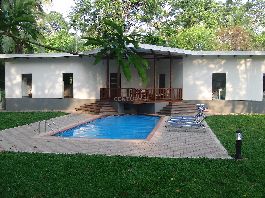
(154, 77)
(107, 79)
(170, 76)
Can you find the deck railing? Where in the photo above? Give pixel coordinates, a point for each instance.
(143, 95)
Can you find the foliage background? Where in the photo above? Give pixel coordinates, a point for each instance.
(193, 24)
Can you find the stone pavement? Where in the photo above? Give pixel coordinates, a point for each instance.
(175, 143)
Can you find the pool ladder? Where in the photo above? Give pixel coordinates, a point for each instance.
(45, 126)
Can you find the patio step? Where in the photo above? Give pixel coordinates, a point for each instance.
(178, 108)
(98, 107)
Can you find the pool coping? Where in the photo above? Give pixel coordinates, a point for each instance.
(50, 134)
(161, 143)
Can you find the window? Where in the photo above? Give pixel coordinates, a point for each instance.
(218, 86)
(27, 85)
(68, 85)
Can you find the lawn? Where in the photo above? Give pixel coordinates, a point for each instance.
(52, 175)
(14, 119)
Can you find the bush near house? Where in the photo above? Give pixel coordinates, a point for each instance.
(53, 175)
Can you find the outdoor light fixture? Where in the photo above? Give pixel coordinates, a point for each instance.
(239, 138)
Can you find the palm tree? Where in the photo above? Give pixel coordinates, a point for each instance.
(19, 22)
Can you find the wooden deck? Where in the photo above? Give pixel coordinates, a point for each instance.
(138, 96)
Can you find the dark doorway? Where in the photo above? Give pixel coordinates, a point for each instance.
(162, 80)
(26, 85)
(219, 86)
(68, 85)
(114, 91)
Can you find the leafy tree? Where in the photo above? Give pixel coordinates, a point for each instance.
(114, 43)
(235, 38)
(19, 25)
(88, 16)
(234, 14)
(54, 22)
(260, 41)
(18, 22)
(61, 40)
(55, 31)
(181, 23)
(153, 39)
(188, 13)
(255, 11)
(194, 38)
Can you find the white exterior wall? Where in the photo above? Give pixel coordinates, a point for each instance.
(135, 82)
(244, 77)
(47, 77)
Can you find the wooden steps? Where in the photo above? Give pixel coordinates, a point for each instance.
(99, 108)
(178, 108)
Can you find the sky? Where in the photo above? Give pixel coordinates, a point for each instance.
(62, 6)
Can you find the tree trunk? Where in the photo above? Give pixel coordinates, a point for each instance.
(19, 48)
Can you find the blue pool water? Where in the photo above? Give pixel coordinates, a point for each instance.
(114, 127)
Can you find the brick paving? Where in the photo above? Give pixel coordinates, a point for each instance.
(174, 143)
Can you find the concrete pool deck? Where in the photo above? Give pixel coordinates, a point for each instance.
(174, 143)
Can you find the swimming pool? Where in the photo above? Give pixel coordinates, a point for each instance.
(114, 127)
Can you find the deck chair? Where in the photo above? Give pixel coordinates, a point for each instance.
(186, 123)
(200, 107)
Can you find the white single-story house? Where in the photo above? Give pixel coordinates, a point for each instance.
(228, 81)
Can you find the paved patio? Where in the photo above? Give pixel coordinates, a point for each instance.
(176, 143)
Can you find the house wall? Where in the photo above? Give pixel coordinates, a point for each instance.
(135, 82)
(47, 81)
(244, 77)
(162, 67)
(47, 74)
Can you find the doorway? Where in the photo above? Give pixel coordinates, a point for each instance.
(26, 86)
(218, 86)
(114, 85)
(68, 85)
(162, 80)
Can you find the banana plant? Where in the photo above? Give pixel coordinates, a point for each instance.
(113, 42)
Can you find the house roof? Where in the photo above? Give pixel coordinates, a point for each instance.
(228, 53)
(146, 49)
(150, 49)
(39, 55)
(160, 50)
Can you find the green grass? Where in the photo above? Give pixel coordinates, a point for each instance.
(51, 175)
(14, 119)
(252, 127)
